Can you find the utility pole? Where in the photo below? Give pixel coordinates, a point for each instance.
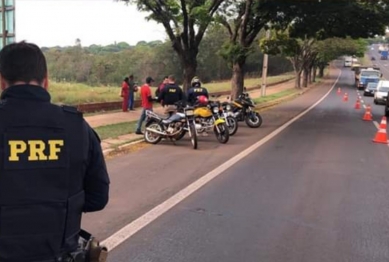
(264, 68)
(4, 34)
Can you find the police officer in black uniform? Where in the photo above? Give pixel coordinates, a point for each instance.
(196, 90)
(171, 94)
(52, 166)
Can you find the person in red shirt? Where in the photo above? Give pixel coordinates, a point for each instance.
(125, 93)
(147, 103)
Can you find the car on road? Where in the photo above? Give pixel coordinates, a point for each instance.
(370, 89)
(381, 93)
(372, 58)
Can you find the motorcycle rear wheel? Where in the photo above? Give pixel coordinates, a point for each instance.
(153, 138)
(223, 135)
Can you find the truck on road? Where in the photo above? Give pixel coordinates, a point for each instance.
(367, 75)
(348, 61)
(384, 55)
(357, 74)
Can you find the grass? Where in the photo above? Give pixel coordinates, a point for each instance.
(250, 82)
(365, 61)
(276, 96)
(116, 130)
(76, 93)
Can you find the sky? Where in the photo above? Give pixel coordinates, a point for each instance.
(60, 22)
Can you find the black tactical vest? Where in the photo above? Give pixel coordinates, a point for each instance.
(43, 157)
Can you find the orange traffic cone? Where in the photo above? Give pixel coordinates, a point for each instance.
(367, 116)
(345, 97)
(383, 123)
(381, 137)
(357, 104)
(339, 91)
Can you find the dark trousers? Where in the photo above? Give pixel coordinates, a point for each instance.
(131, 101)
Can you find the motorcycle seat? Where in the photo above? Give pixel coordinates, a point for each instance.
(174, 118)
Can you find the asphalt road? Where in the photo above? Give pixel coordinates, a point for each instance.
(315, 192)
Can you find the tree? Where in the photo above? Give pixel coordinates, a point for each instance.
(299, 51)
(78, 42)
(244, 20)
(185, 22)
(319, 20)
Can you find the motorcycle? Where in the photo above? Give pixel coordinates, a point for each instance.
(228, 117)
(209, 119)
(173, 127)
(243, 110)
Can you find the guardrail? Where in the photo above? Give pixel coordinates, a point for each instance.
(110, 106)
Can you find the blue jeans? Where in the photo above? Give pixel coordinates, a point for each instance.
(142, 119)
(131, 101)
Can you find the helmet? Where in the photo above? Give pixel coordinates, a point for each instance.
(202, 100)
(195, 82)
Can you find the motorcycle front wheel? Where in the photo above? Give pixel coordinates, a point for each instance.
(193, 135)
(221, 133)
(253, 120)
(232, 125)
(151, 137)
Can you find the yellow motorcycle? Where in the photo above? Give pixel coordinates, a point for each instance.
(209, 119)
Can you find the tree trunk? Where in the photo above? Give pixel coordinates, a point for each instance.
(314, 70)
(298, 79)
(305, 77)
(237, 80)
(310, 75)
(321, 71)
(189, 64)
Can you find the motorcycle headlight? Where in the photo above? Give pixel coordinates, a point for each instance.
(228, 107)
(215, 110)
(189, 112)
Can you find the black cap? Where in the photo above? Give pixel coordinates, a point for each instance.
(149, 79)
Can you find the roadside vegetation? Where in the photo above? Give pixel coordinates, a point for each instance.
(116, 130)
(78, 93)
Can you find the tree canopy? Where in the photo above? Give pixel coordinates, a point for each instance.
(185, 22)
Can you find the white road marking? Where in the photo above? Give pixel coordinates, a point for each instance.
(376, 124)
(129, 230)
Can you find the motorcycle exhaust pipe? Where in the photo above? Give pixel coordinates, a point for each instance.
(155, 131)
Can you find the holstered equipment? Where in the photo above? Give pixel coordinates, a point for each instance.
(89, 249)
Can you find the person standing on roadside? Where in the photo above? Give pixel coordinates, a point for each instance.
(125, 94)
(171, 94)
(132, 90)
(196, 90)
(161, 86)
(52, 168)
(147, 103)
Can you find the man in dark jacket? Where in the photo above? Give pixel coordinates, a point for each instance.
(171, 94)
(196, 90)
(52, 167)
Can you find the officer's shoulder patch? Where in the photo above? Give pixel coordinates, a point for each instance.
(71, 109)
